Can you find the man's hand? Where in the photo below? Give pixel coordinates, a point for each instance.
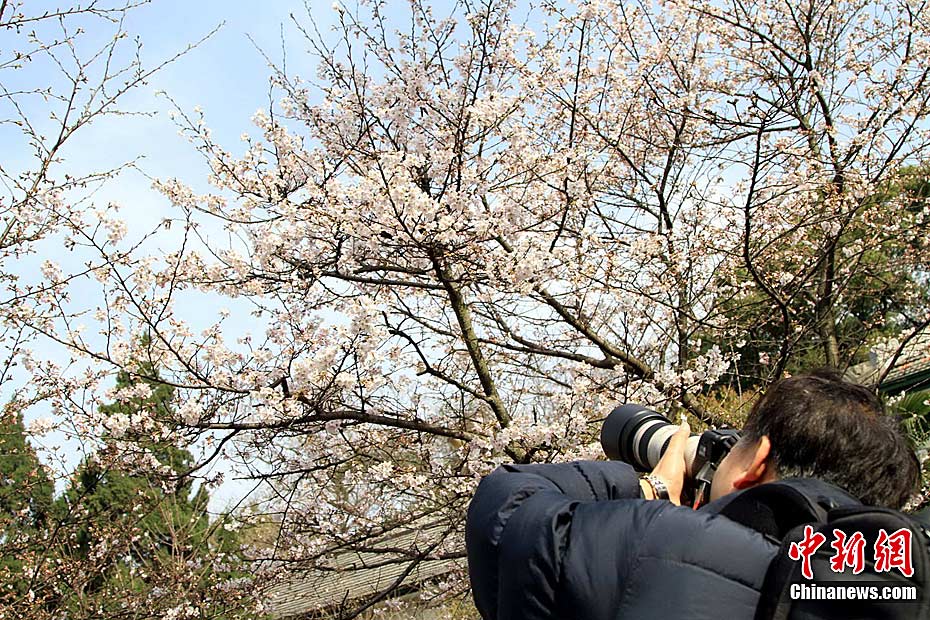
(672, 468)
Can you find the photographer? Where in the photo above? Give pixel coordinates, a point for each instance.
(586, 540)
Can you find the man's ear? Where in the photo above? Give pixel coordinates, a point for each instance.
(756, 465)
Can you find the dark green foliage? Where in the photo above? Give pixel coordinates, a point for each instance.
(913, 410)
(878, 294)
(25, 488)
(120, 541)
(158, 507)
(26, 493)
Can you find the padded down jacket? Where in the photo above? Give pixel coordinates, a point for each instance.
(577, 541)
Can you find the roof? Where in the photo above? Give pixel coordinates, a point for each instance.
(351, 577)
(911, 370)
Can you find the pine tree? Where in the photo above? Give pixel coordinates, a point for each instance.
(159, 507)
(146, 540)
(26, 493)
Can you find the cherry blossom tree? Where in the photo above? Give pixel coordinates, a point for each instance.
(467, 236)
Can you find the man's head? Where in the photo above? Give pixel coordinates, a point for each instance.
(819, 426)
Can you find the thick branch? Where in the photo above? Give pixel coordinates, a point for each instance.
(463, 316)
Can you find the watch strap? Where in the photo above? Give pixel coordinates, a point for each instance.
(658, 487)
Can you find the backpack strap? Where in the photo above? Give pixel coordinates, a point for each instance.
(774, 600)
(774, 509)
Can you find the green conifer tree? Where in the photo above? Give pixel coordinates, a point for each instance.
(26, 493)
(148, 539)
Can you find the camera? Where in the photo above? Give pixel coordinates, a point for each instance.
(640, 436)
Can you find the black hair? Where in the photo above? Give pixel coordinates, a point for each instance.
(821, 426)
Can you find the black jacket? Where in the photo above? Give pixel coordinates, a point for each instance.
(577, 541)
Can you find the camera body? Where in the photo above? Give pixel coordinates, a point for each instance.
(640, 436)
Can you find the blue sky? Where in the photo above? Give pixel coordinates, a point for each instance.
(226, 76)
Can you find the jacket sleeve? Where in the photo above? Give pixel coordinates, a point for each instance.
(554, 540)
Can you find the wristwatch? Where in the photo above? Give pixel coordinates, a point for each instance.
(658, 487)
